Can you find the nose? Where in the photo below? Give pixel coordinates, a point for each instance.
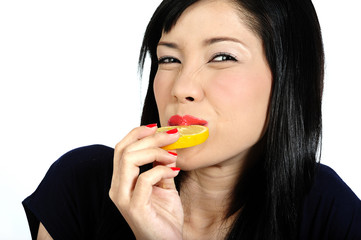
(187, 87)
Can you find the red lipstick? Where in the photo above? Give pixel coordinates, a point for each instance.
(185, 120)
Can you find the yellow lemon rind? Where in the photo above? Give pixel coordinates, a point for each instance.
(186, 141)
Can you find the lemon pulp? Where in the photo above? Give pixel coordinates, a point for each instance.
(189, 136)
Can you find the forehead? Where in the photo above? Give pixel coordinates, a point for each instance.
(218, 13)
(209, 19)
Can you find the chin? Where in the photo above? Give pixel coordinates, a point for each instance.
(189, 159)
(193, 158)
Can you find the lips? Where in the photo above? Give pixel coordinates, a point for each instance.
(185, 120)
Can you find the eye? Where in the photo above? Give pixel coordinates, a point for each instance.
(223, 57)
(168, 60)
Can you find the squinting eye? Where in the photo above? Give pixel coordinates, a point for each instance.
(167, 60)
(222, 57)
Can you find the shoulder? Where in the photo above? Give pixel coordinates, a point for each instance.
(72, 199)
(328, 182)
(78, 169)
(329, 185)
(85, 155)
(84, 159)
(84, 172)
(331, 210)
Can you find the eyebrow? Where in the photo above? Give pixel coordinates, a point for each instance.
(168, 44)
(214, 40)
(207, 42)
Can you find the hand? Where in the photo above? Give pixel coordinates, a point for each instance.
(149, 202)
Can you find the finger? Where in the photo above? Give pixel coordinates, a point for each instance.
(146, 181)
(129, 144)
(128, 158)
(154, 140)
(133, 160)
(131, 137)
(129, 170)
(167, 183)
(157, 156)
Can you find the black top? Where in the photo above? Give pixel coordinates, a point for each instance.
(72, 202)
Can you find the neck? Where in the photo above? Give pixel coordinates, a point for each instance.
(206, 197)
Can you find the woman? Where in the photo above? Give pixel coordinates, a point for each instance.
(252, 72)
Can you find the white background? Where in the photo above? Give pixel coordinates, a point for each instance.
(68, 78)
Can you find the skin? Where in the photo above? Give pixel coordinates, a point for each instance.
(232, 95)
(43, 233)
(211, 66)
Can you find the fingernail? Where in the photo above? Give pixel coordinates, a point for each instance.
(172, 153)
(172, 131)
(151, 125)
(175, 169)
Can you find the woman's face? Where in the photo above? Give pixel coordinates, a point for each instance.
(212, 67)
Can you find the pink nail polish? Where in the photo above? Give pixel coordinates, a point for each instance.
(172, 153)
(175, 169)
(151, 125)
(172, 131)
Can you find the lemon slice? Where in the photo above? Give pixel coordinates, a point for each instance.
(189, 136)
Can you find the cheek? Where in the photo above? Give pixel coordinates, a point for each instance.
(226, 90)
(161, 89)
(242, 100)
(157, 89)
(243, 91)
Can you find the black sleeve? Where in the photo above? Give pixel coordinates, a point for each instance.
(72, 201)
(331, 210)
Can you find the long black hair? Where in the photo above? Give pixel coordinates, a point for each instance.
(270, 195)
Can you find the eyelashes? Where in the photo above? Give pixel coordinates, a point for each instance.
(223, 57)
(168, 60)
(216, 58)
